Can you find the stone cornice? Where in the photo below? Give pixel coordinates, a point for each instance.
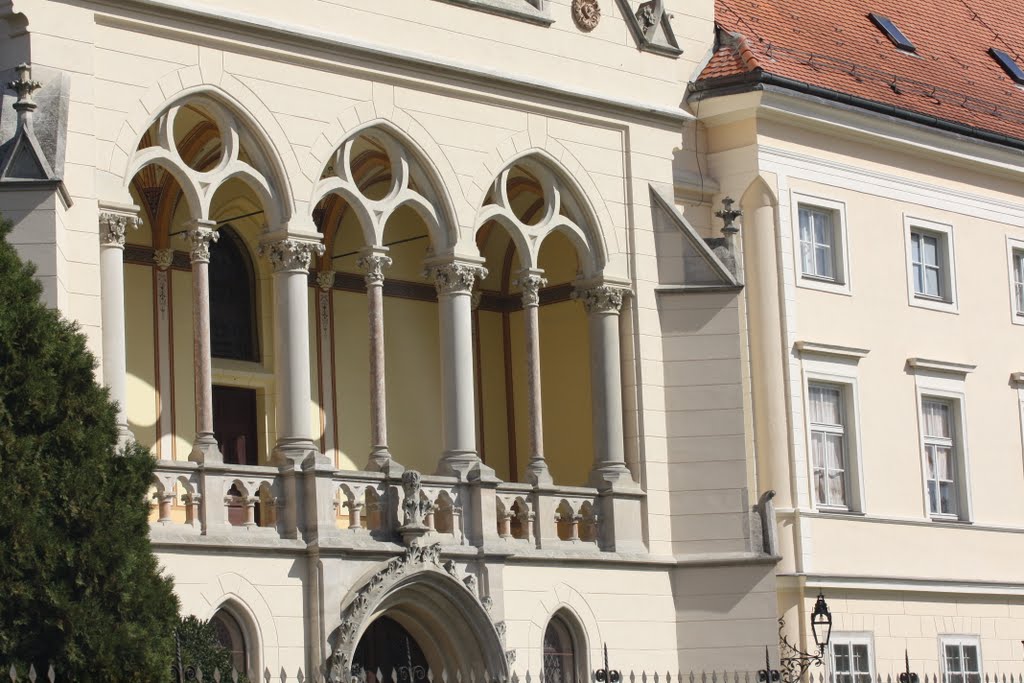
(945, 367)
(835, 350)
(430, 66)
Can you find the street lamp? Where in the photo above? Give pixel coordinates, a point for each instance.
(793, 662)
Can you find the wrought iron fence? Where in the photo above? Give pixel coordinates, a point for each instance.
(406, 675)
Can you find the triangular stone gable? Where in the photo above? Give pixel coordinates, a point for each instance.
(684, 257)
(25, 160)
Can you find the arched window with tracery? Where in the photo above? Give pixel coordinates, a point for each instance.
(560, 652)
(231, 638)
(232, 299)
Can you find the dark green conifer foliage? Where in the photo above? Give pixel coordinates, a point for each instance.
(79, 585)
(200, 649)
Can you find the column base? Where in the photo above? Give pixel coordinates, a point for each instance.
(124, 436)
(622, 522)
(205, 449)
(537, 473)
(381, 461)
(296, 451)
(615, 478)
(465, 465)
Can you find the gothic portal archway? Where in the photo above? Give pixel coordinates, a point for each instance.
(416, 608)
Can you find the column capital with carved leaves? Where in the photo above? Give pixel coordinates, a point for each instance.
(290, 254)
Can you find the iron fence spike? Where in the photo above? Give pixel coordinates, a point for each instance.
(234, 675)
(394, 675)
(13, 673)
(266, 674)
(51, 675)
(299, 676)
(32, 673)
(216, 675)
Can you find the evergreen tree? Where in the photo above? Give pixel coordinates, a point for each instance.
(79, 586)
(199, 649)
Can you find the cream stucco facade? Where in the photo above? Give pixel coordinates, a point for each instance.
(899, 574)
(470, 205)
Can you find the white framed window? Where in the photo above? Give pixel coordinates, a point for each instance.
(931, 273)
(851, 658)
(961, 659)
(832, 425)
(532, 11)
(940, 457)
(1015, 261)
(942, 421)
(819, 236)
(827, 415)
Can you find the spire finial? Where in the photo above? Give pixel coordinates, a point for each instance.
(24, 86)
(729, 216)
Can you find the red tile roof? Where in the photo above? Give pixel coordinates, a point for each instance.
(832, 47)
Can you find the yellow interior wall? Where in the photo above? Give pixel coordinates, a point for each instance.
(352, 373)
(492, 391)
(141, 399)
(315, 409)
(184, 376)
(565, 387)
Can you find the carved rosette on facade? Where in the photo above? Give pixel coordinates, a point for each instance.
(163, 258)
(586, 14)
(417, 558)
(199, 241)
(601, 299)
(455, 278)
(290, 254)
(531, 284)
(114, 227)
(374, 265)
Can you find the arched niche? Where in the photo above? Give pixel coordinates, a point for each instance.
(236, 632)
(565, 649)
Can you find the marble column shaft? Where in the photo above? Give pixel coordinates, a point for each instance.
(454, 283)
(531, 282)
(201, 235)
(374, 262)
(113, 227)
(290, 259)
(603, 304)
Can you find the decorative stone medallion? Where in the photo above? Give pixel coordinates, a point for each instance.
(586, 14)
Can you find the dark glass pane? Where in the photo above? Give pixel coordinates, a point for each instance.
(234, 424)
(386, 646)
(892, 32)
(232, 299)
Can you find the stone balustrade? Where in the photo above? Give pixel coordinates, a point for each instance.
(363, 508)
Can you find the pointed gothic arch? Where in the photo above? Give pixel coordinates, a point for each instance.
(435, 604)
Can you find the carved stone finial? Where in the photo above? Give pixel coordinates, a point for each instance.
(728, 216)
(163, 258)
(290, 254)
(414, 509)
(531, 284)
(586, 14)
(374, 265)
(454, 278)
(200, 239)
(114, 226)
(601, 299)
(325, 280)
(24, 86)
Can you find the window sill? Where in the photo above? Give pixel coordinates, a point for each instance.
(949, 519)
(823, 284)
(520, 10)
(844, 512)
(934, 304)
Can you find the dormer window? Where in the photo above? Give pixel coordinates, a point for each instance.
(1010, 66)
(892, 32)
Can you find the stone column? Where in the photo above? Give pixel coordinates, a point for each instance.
(289, 259)
(201, 234)
(113, 225)
(531, 282)
(374, 260)
(603, 304)
(324, 303)
(454, 281)
(164, 258)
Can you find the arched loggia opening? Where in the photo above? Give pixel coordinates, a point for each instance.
(378, 212)
(532, 241)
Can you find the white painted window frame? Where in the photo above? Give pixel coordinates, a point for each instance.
(532, 11)
(1014, 248)
(959, 640)
(948, 303)
(841, 283)
(952, 390)
(851, 638)
(836, 366)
